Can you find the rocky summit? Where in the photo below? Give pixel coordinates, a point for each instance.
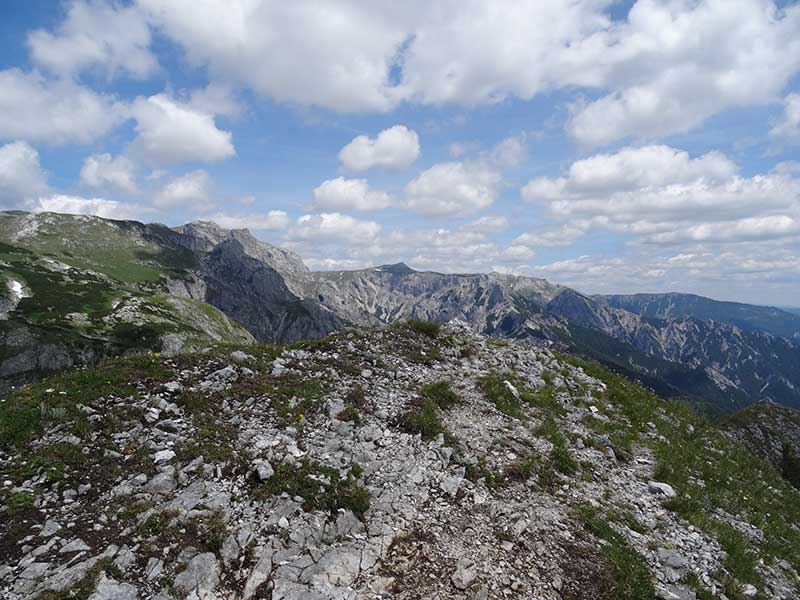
(414, 461)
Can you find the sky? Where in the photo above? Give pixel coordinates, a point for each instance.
(613, 146)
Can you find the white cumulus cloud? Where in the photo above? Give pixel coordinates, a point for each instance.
(332, 227)
(35, 108)
(107, 35)
(453, 189)
(334, 55)
(393, 148)
(674, 64)
(170, 132)
(21, 175)
(191, 190)
(269, 220)
(662, 194)
(343, 194)
(101, 170)
(786, 131)
(741, 230)
(663, 67)
(488, 224)
(99, 207)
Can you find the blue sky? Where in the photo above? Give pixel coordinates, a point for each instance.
(611, 146)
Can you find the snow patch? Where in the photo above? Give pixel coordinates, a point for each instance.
(16, 289)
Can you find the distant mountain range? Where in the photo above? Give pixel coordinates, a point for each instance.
(780, 322)
(79, 288)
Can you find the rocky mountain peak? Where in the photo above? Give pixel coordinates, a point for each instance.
(204, 236)
(399, 268)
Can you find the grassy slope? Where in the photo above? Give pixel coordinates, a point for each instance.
(101, 269)
(711, 473)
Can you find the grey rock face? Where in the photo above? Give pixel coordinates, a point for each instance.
(257, 296)
(108, 589)
(200, 578)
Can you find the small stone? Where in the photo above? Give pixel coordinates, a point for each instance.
(749, 590)
(154, 568)
(657, 487)
(464, 575)
(200, 577)
(172, 387)
(450, 485)
(163, 483)
(163, 456)
(76, 545)
(512, 388)
(264, 470)
(109, 589)
(240, 356)
(50, 527)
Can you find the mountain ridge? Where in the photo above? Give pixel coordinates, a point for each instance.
(271, 293)
(675, 304)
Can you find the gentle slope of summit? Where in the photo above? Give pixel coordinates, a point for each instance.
(408, 462)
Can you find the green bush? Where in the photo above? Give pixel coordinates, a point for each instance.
(20, 502)
(441, 394)
(422, 418)
(427, 328)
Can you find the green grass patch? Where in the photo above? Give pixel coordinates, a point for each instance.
(20, 502)
(321, 487)
(626, 517)
(441, 394)
(28, 410)
(295, 399)
(561, 458)
(495, 387)
(480, 470)
(632, 577)
(422, 418)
